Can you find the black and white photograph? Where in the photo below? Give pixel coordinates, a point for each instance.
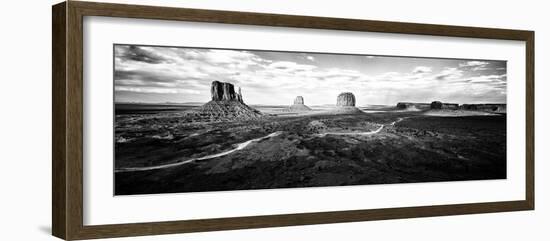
(256, 120)
(190, 119)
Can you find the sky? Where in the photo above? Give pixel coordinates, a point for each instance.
(152, 74)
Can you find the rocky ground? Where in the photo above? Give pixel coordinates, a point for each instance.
(164, 152)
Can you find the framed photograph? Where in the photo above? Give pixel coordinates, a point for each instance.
(171, 120)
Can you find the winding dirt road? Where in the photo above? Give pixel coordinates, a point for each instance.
(239, 146)
(243, 145)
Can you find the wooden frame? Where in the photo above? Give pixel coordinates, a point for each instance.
(67, 159)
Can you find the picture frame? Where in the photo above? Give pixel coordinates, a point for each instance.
(68, 117)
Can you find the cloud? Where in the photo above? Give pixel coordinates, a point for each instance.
(498, 79)
(140, 54)
(160, 73)
(185, 74)
(144, 75)
(475, 65)
(214, 57)
(156, 90)
(217, 56)
(336, 72)
(159, 81)
(449, 74)
(422, 70)
(290, 66)
(389, 76)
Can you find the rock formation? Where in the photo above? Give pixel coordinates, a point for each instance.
(345, 104)
(404, 105)
(225, 105)
(438, 105)
(450, 106)
(299, 100)
(299, 105)
(240, 96)
(499, 108)
(412, 106)
(222, 91)
(345, 99)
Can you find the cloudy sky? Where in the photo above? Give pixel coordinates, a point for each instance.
(166, 74)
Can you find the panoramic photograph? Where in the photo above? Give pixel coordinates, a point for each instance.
(203, 119)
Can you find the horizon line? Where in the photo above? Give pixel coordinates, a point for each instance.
(198, 102)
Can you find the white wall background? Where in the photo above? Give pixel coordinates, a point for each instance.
(25, 120)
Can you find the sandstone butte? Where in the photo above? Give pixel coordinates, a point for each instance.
(298, 105)
(226, 104)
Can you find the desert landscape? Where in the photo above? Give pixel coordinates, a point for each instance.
(225, 144)
(196, 119)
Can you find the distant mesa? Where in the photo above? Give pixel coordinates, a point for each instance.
(226, 104)
(438, 105)
(413, 106)
(450, 109)
(404, 105)
(345, 104)
(450, 106)
(499, 108)
(460, 110)
(299, 105)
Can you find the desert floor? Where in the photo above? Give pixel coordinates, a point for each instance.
(158, 151)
